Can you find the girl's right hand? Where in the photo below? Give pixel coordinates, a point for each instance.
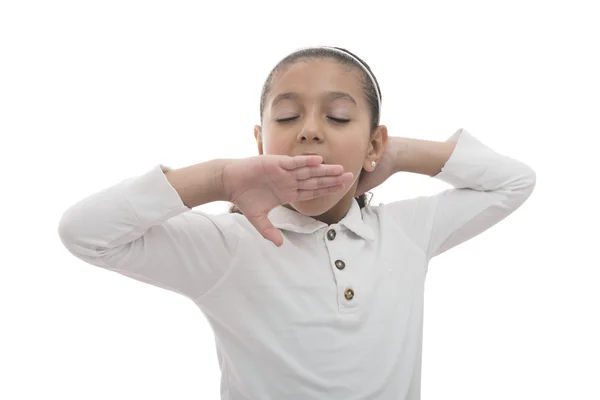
(259, 184)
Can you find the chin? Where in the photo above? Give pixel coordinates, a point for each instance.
(318, 206)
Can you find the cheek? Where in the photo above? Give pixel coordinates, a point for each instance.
(352, 154)
(275, 144)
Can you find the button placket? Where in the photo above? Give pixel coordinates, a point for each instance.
(336, 243)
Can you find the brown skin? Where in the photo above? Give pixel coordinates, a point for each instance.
(313, 131)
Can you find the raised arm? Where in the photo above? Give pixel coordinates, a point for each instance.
(144, 228)
(487, 187)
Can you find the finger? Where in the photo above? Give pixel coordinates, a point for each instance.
(311, 194)
(291, 163)
(274, 236)
(325, 181)
(266, 229)
(319, 170)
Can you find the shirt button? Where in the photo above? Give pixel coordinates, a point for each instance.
(339, 264)
(349, 293)
(331, 234)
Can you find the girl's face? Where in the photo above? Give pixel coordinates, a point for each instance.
(318, 106)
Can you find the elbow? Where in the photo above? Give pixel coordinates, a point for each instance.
(523, 180)
(530, 181)
(70, 233)
(67, 232)
(65, 228)
(515, 191)
(522, 187)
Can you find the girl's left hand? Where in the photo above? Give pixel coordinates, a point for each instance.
(383, 170)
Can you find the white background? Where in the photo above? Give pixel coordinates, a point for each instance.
(94, 92)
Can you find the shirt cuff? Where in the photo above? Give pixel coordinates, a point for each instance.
(152, 197)
(469, 162)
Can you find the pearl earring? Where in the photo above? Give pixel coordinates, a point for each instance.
(373, 164)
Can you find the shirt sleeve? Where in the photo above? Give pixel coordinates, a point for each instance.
(140, 228)
(487, 187)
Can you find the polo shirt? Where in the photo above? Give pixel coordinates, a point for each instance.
(334, 313)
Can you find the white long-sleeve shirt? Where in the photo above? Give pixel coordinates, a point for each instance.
(337, 311)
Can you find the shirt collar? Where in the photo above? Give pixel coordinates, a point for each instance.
(291, 220)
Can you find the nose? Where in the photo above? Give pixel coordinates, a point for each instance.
(311, 131)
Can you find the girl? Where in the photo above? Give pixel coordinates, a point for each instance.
(330, 305)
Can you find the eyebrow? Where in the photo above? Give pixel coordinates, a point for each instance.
(327, 95)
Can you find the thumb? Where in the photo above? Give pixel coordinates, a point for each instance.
(264, 226)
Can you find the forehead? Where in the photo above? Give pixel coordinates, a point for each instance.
(314, 77)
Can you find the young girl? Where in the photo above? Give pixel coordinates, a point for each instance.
(311, 292)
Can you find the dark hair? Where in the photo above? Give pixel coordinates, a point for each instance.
(372, 92)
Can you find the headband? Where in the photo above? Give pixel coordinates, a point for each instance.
(356, 60)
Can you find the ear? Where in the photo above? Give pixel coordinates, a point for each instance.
(258, 137)
(377, 145)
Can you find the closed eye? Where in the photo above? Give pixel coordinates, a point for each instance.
(337, 120)
(283, 120)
